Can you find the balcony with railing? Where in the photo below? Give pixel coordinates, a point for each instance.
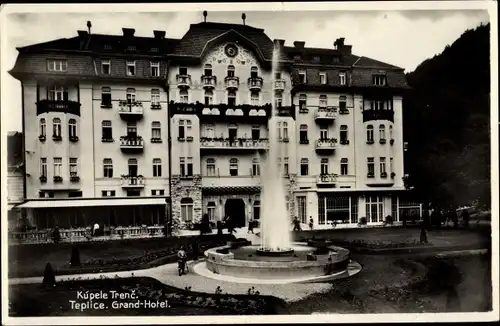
(279, 85)
(325, 114)
(130, 110)
(255, 83)
(132, 181)
(208, 82)
(236, 143)
(183, 81)
(326, 145)
(45, 106)
(73, 177)
(232, 82)
(327, 180)
(131, 144)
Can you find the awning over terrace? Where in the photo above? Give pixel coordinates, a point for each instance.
(54, 203)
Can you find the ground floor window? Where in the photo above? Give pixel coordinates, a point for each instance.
(256, 210)
(374, 209)
(211, 211)
(302, 208)
(334, 209)
(354, 210)
(187, 209)
(409, 208)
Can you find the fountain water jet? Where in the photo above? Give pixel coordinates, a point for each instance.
(275, 233)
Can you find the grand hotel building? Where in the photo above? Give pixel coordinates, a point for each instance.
(131, 131)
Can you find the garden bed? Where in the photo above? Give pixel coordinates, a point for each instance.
(34, 300)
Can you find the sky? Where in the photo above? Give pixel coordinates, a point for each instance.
(402, 38)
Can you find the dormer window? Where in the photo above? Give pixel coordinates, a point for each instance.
(230, 71)
(208, 70)
(379, 80)
(57, 65)
(107, 47)
(322, 78)
(155, 69)
(106, 66)
(254, 72)
(302, 77)
(131, 68)
(277, 76)
(316, 58)
(131, 48)
(183, 71)
(155, 50)
(58, 93)
(342, 78)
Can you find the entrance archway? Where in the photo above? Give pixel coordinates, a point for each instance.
(235, 208)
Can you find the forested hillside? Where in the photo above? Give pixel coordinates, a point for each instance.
(447, 123)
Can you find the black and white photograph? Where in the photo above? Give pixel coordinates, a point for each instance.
(249, 162)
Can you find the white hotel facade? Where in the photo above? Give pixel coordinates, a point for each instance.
(134, 132)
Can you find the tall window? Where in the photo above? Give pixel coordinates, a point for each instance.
(285, 130)
(130, 95)
(374, 209)
(323, 101)
(231, 98)
(254, 71)
(233, 167)
(342, 103)
(383, 170)
(369, 134)
(72, 128)
(322, 78)
(190, 166)
(182, 165)
(156, 167)
(303, 134)
(107, 130)
(381, 130)
(132, 167)
(277, 76)
(302, 77)
(390, 132)
(211, 167)
(256, 209)
(342, 78)
(58, 93)
(255, 167)
(211, 210)
(155, 97)
(186, 209)
(323, 132)
(56, 127)
(302, 208)
(57, 166)
(156, 130)
(344, 166)
(208, 70)
(131, 130)
(186, 166)
(278, 100)
(233, 132)
(391, 165)
(43, 127)
(43, 167)
(107, 168)
(255, 132)
(285, 166)
(189, 128)
(73, 166)
(377, 105)
(183, 96)
(379, 80)
(183, 71)
(304, 166)
(303, 102)
(155, 69)
(371, 166)
(106, 66)
(324, 166)
(230, 71)
(182, 129)
(106, 97)
(209, 97)
(343, 134)
(130, 68)
(57, 65)
(210, 131)
(254, 98)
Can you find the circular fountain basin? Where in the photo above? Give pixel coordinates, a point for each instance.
(300, 262)
(267, 252)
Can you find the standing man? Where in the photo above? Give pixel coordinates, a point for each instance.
(311, 223)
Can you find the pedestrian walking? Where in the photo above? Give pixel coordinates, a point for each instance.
(251, 225)
(296, 224)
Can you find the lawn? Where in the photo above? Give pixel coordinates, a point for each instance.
(29, 260)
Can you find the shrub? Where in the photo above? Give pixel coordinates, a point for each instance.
(388, 220)
(49, 278)
(75, 257)
(362, 221)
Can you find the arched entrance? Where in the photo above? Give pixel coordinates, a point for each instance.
(235, 208)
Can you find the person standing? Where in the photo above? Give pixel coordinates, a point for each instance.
(311, 223)
(251, 225)
(465, 218)
(423, 235)
(296, 224)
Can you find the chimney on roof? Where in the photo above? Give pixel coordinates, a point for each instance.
(341, 47)
(159, 35)
(128, 32)
(299, 44)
